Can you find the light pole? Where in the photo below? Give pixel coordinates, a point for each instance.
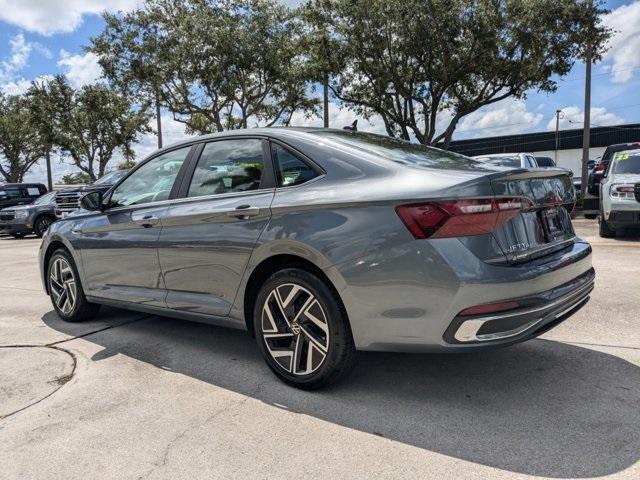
(558, 113)
(587, 121)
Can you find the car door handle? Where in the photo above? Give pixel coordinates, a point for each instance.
(147, 221)
(244, 212)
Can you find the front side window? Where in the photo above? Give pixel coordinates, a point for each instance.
(228, 166)
(290, 170)
(152, 182)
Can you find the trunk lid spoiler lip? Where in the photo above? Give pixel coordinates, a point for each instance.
(527, 173)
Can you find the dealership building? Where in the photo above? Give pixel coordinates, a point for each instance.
(543, 144)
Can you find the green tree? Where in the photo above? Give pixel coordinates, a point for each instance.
(130, 54)
(322, 50)
(94, 122)
(423, 65)
(79, 178)
(20, 144)
(42, 106)
(222, 64)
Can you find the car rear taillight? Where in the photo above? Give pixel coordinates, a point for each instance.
(460, 218)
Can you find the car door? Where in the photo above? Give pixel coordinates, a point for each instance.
(209, 234)
(119, 246)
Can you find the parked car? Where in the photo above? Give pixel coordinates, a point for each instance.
(322, 242)
(509, 160)
(35, 217)
(12, 194)
(620, 193)
(599, 171)
(545, 162)
(67, 199)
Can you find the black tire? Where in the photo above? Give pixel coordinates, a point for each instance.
(81, 309)
(591, 216)
(42, 224)
(604, 230)
(339, 350)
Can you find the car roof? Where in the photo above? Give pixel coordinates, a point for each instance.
(21, 184)
(274, 132)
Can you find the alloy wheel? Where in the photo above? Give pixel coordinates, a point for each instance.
(62, 285)
(295, 329)
(43, 225)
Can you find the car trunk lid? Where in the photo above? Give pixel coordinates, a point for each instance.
(546, 226)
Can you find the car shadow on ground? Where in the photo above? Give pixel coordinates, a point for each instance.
(540, 408)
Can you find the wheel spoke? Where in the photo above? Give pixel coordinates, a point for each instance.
(62, 286)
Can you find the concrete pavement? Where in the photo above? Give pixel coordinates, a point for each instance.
(136, 396)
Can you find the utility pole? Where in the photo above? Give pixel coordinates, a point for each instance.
(558, 112)
(158, 120)
(325, 94)
(587, 120)
(47, 155)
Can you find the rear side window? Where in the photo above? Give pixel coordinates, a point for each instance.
(228, 166)
(290, 170)
(627, 162)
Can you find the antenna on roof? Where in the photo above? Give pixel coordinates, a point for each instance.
(353, 127)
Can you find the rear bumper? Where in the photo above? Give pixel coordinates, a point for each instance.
(409, 301)
(533, 314)
(624, 218)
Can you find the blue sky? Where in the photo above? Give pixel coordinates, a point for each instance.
(42, 37)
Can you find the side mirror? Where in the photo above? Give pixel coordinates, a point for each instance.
(92, 202)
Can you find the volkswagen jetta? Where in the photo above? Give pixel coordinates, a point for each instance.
(322, 242)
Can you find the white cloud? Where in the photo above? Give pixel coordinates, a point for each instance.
(80, 69)
(625, 44)
(503, 118)
(56, 16)
(16, 87)
(573, 116)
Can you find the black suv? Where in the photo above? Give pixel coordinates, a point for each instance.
(12, 194)
(67, 199)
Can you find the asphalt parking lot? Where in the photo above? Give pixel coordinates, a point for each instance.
(137, 396)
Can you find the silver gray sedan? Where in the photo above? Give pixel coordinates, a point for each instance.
(323, 242)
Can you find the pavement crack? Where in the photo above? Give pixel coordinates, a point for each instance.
(169, 447)
(60, 384)
(601, 345)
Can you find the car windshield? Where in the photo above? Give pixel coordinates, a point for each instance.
(401, 151)
(501, 161)
(627, 162)
(45, 199)
(110, 178)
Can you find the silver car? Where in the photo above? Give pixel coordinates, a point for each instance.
(323, 242)
(509, 160)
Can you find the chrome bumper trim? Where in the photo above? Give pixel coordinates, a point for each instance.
(468, 330)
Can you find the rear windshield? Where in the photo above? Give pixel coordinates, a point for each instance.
(401, 151)
(501, 161)
(627, 162)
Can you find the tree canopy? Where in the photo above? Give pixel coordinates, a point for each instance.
(21, 144)
(220, 64)
(94, 122)
(423, 65)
